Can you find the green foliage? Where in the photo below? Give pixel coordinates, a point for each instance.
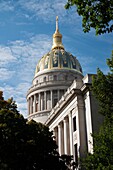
(8, 104)
(102, 157)
(103, 90)
(95, 14)
(26, 145)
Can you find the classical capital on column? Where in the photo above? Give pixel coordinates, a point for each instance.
(70, 114)
(65, 119)
(59, 125)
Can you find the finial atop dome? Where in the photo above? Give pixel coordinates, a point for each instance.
(57, 37)
(57, 24)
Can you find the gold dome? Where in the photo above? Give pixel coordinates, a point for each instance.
(58, 58)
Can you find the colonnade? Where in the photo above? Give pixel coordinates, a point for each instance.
(63, 133)
(45, 100)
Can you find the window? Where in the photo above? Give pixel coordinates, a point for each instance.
(44, 79)
(55, 77)
(66, 77)
(55, 102)
(55, 97)
(42, 102)
(61, 93)
(74, 124)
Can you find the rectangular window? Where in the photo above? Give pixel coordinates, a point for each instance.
(55, 102)
(74, 124)
(61, 93)
(55, 94)
(55, 97)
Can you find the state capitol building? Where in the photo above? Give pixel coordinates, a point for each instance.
(61, 98)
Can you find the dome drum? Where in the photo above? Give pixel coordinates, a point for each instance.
(56, 75)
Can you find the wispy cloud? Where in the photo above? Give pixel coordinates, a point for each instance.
(6, 74)
(19, 95)
(6, 6)
(17, 66)
(6, 55)
(28, 54)
(44, 11)
(47, 10)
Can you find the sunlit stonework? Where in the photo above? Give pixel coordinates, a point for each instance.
(61, 98)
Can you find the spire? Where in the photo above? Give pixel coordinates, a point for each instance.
(56, 24)
(57, 37)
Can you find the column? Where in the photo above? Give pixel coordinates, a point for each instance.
(39, 101)
(31, 105)
(42, 101)
(88, 113)
(35, 103)
(28, 104)
(65, 137)
(71, 133)
(59, 139)
(45, 99)
(51, 99)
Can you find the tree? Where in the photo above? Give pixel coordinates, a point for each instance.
(95, 14)
(102, 157)
(26, 145)
(8, 104)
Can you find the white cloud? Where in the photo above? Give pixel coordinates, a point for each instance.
(19, 60)
(28, 54)
(5, 74)
(6, 55)
(6, 6)
(23, 23)
(7, 60)
(48, 10)
(22, 56)
(19, 95)
(45, 11)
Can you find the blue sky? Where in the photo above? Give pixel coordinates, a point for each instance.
(26, 29)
